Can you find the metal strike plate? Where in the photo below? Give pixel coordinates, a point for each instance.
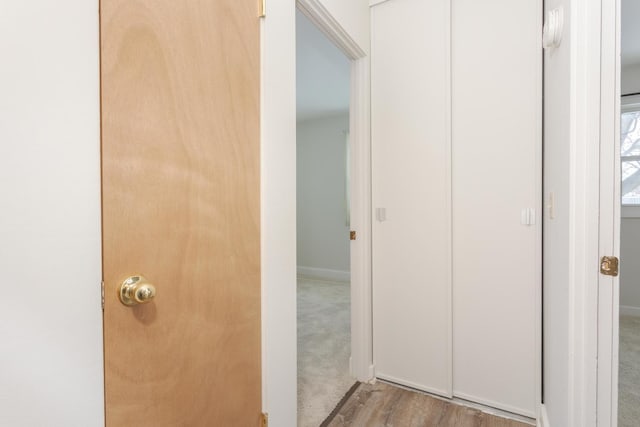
(609, 266)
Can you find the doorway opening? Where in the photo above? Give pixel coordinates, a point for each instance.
(279, 203)
(629, 327)
(323, 223)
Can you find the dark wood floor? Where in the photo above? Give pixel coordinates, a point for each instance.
(383, 405)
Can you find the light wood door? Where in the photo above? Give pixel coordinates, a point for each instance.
(180, 153)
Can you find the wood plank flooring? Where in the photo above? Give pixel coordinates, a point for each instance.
(383, 405)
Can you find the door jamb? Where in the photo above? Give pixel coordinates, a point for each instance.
(278, 203)
(594, 212)
(591, 212)
(608, 298)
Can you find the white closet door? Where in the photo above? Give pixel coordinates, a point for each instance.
(411, 193)
(496, 149)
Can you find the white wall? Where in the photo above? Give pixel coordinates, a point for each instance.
(323, 231)
(630, 266)
(50, 262)
(630, 82)
(630, 227)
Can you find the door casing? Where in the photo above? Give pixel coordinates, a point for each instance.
(279, 202)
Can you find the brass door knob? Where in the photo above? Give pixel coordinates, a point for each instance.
(136, 290)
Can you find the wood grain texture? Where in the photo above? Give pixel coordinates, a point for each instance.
(381, 405)
(181, 205)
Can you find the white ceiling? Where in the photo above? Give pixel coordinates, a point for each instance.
(322, 73)
(630, 32)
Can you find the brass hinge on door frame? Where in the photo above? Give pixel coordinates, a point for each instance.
(102, 294)
(352, 235)
(265, 420)
(609, 266)
(262, 7)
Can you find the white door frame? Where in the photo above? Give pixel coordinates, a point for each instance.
(594, 212)
(610, 213)
(361, 363)
(278, 218)
(585, 127)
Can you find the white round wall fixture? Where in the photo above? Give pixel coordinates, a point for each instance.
(552, 30)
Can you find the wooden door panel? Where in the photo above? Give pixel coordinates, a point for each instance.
(180, 152)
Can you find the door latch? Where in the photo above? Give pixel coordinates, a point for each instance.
(609, 266)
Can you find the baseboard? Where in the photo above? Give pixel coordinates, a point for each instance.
(543, 419)
(372, 372)
(324, 274)
(627, 310)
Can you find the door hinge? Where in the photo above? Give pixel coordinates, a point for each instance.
(265, 420)
(609, 266)
(102, 294)
(262, 6)
(352, 235)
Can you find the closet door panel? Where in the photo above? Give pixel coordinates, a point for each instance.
(411, 193)
(496, 149)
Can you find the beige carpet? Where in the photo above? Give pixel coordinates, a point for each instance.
(629, 374)
(324, 347)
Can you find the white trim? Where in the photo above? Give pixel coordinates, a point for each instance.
(324, 274)
(607, 304)
(372, 373)
(627, 310)
(278, 213)
(584, 149)
(543, 419)
(322, 18)
(278, 216)
(376, 2)
(361, 221)
(359, 117)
